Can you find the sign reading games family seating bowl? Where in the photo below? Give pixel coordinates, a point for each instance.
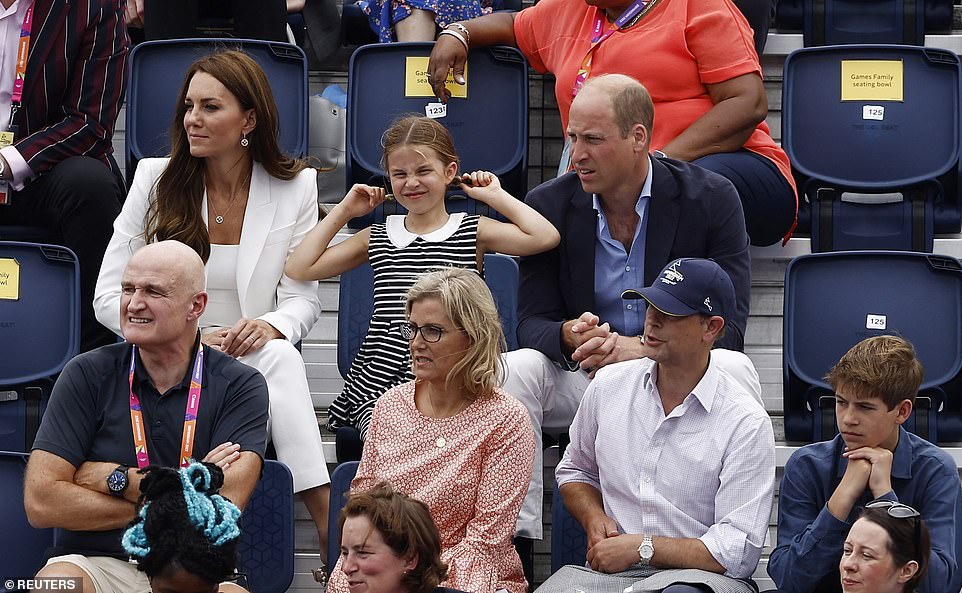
(9, 279)
(872, 80)
(416, 80)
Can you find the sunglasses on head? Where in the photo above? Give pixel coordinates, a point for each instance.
(898, 510)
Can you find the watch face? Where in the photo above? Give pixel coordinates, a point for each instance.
(647, 551)
(117, 481)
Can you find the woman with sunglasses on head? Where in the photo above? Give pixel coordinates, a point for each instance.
(886, 551)
(452, 438)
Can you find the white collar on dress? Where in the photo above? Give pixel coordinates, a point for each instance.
(401, 237)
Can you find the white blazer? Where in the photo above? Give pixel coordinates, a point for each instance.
(279, 214)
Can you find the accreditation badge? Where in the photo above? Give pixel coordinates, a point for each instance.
(6, 139)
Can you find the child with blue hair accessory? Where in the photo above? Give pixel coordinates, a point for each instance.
(185, 534)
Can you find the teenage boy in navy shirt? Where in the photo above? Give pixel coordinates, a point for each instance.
(825, 484)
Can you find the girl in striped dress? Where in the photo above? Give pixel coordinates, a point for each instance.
(421, 163)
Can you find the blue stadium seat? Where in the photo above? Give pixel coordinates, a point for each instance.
(874, 173)
(22, 547)
(340, 488)
(830, 22)
(497, 91)
(356, 303)
(569, 544)
(39, 333)
(157, 72)
(266, 548)
(834, 300)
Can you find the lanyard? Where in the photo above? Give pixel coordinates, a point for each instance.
(190, 416)
(629, 18)
(22, 49)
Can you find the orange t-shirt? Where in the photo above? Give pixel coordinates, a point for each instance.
(675, 50)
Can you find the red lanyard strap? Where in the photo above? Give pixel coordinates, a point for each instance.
(629, 18)
(23, 48)
(190, 415)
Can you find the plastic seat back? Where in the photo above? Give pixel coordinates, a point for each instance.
(39, 333)
(157, 73)
(489, 125)
(873, 135)
(835, 300)
(22, 547)
(340, 488)
(266, 548)
(356, 305)
(828, 22)
(569, 544)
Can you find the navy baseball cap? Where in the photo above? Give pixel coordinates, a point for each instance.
(687, 286)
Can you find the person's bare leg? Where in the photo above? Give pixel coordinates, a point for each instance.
(417, 27)
(231, 588)
(318, 502)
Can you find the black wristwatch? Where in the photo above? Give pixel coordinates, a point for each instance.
(117, 481)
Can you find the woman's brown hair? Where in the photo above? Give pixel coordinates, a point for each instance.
(421, 131)
(406, 526)
(908, 540)
(174, 211)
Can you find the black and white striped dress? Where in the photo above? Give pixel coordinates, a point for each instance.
(398, 257)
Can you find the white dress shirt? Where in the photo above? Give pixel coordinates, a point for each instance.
(706, 470)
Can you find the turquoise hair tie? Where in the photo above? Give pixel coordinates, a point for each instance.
(135, 540)
(214, 514)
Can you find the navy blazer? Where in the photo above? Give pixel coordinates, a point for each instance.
(692, 213)
(75, 82)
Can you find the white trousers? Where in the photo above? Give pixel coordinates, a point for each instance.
(552, 395)
(293, 423)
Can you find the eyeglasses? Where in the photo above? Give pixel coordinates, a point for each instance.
(430, 333)
(898, 510)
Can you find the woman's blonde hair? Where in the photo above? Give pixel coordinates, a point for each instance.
(469, 305)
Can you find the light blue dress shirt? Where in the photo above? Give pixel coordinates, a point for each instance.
(616, 271)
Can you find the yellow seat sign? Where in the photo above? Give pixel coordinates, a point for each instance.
(872, 80)
(9, 279)
(416, 80)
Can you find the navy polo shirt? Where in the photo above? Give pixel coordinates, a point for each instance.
(88, 419)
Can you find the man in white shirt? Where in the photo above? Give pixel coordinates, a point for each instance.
(670, 465)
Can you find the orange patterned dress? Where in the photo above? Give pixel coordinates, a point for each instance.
(472, 470)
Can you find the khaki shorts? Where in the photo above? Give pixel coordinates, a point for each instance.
(109, 575)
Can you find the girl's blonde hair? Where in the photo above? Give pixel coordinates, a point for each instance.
(469, 305)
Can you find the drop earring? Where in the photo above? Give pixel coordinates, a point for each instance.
(244, 141)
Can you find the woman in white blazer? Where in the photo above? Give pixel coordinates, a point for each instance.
(228, 192)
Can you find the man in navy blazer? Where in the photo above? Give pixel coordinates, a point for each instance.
(622, 215)
(61, 164)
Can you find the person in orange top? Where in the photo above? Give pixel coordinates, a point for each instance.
(695, 57)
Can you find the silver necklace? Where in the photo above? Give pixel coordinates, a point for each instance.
(219, 218)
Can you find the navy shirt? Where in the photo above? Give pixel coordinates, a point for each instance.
(88, 419)
(810, 538)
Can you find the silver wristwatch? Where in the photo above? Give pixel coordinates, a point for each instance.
(646, 550)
